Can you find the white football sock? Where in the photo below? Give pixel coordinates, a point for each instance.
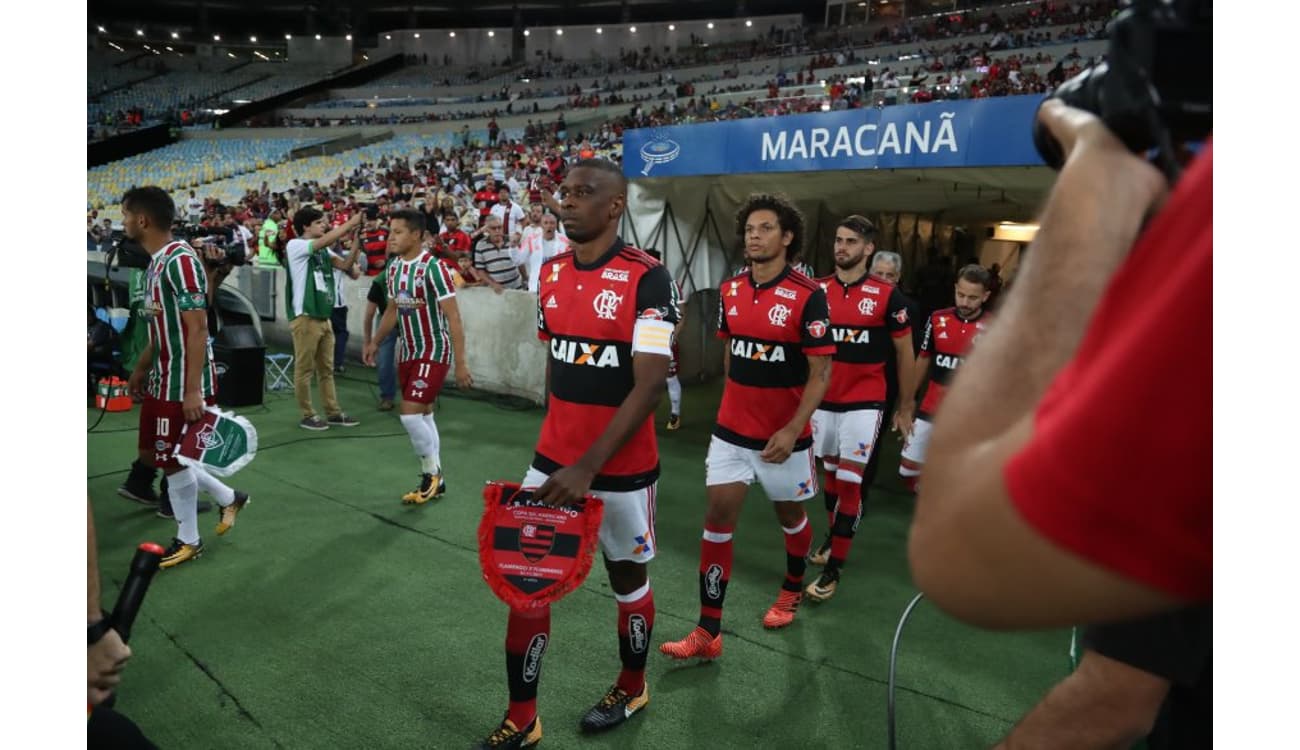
(213, 486)
(183, 492)
(421, 439)
(675, 395)
(436, 453)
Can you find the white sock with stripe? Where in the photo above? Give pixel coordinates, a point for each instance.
(213, 486)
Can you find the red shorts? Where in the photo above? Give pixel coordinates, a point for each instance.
(161, 423)
(421, 380)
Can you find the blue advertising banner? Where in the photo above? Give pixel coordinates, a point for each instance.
(970, 133)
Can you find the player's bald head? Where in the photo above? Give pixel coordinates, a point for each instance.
(605, 173)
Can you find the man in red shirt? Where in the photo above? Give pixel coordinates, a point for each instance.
(1069, 475)
(454, 239)
(486, 198)
(606, 311)
(868, 321)
(949, 334)
(374, 241)
(778, 363)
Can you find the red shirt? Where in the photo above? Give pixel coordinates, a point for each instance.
(488, 198)
(948, 338)
(1119, 468)
(374, 242)
(457, 241)
(865, 316)
(772, 328)
(587, 315)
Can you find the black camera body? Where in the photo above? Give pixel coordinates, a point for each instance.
(1156, 87)
(127, 252)
(219, 237)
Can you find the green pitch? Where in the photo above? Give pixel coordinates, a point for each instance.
(332, 616)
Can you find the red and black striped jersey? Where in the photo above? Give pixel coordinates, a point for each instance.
(865, 316)
(587, 314)
(948, 339)
(771, 330)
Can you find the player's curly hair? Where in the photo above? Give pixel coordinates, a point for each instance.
(787, 216)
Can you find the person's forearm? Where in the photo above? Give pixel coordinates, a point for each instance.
(919, 374)
(387, 323)
(819, 378)
(1078, 716)
(93, 613)
(457, 329)
(368, 326)
(145, 360)
(1092, 218)
(905, 362)
(196, 347)
(632, 413)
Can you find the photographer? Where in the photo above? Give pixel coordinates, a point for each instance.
(1070, 470)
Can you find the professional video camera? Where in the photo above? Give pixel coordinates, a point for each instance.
(1155, 89)
(126, 252)
(219, 237)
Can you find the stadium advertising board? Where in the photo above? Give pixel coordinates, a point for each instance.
(977, 133)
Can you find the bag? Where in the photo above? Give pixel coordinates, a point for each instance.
(531, 554)
(220, 442)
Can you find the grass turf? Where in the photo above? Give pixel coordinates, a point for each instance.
(333, 616)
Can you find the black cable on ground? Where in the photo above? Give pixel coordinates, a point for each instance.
(893, 662)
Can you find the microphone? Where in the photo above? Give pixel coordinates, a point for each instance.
(143, 566)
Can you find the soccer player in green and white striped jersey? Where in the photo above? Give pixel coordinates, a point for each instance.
(174, 375)
(422, 300)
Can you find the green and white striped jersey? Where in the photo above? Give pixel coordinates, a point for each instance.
(415, 288)
(174, 283)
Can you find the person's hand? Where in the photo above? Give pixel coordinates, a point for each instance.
(135, 384)
(104, 663)
(903, 421)
(1083, 136)
(192, 406)
(779, 446)
(567, 486)
(368, 351)
(464, 380)
(497, 287)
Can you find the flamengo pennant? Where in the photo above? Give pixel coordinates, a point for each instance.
(532, 554)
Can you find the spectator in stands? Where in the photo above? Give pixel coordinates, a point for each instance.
(494, 131)
(511, 214)
(268, 238)
(486, 198)
(374, 242)
(454, 239)
(194, 208)
(543, 246)
(492, 257)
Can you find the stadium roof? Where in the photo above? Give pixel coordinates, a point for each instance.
(275, 17)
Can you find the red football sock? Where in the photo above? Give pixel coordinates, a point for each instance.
(798, 540)
(842, 530)
(715, 571)
(636, 620)
(527, 636)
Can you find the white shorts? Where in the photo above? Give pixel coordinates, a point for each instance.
(850, 435)
(792, 481)
(916, 445)
(627, 528)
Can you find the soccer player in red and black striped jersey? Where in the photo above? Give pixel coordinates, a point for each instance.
(606, 311)
(778, 361)
(174, 375)
(949, 334)
(422, 302)
(868, 318)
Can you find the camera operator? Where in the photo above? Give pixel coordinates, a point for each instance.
(1070, 470)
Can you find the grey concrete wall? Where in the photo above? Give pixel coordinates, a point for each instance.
(504, 353)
